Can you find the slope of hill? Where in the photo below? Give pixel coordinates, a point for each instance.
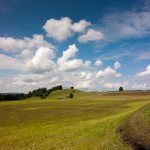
(64, 93)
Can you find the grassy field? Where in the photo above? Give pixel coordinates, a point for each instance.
(88, 121)
(136, 130)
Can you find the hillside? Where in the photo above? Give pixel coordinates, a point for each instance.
(64, 93)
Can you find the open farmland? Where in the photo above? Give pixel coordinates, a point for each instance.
(87, 121)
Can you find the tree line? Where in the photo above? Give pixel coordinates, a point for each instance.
(40, 92)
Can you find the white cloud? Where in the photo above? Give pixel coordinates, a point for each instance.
(61, 29)
(69, 53)
(117, 65)
(8, 62)
(84, 85)
(108, 72)
(80, 26)
(26, 54)
(42, 61)
(144, 73)
(112, 85)
(139, 86)
(66, 62)
(87, 64)
(71, 65)
(117, 26)
(98, 63)
(115, 85)
(13, 45)
(30, 78)
(90, 35)
(84, 75)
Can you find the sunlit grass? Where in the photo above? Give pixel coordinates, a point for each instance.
(88, 121)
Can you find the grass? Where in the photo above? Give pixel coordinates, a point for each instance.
(88, 121)
(136, 131)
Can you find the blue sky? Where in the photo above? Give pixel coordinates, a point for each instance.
(90, 44)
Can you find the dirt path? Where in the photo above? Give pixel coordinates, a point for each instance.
(136, 131)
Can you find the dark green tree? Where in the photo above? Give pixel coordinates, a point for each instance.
(121, 88)
(71, 95)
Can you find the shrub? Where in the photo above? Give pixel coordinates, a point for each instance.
(71, 95)
(121, 88)
(43, 96)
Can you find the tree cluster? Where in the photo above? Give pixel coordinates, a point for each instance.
(40, 92)
(12, 96)
(43, 92)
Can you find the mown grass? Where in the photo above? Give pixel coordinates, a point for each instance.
(88, 121)
(136, 130)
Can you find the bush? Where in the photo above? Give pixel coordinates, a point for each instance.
(72, 87)
(71, 95)
(43, 96)
(121, 88)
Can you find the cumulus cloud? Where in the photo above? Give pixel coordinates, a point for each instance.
(84, 75)
(42, 61)
(110, 85)
(26, 54)
(139, 86)
(10, 63)
(41, 70)
(13, 45)
(98, 63)
(144, 73)
(90, 35)
(108, 72)
(84, 85)
(69, 53)
(71, 65)
(87, 64)
(117, 65)
(61, 29)
(80, 26)
(67, 62)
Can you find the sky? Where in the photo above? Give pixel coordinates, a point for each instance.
(93, 45)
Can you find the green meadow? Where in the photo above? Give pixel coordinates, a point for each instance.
(88, 121)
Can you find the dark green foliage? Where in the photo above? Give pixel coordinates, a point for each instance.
(72, 87)
(29, 94)
(71, 95)
(11, 96)
(58, 87)
(43, 92)
(121, 88)
(40, 92)
(43, 96)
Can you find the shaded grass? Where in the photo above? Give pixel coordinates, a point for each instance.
(88, 121)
